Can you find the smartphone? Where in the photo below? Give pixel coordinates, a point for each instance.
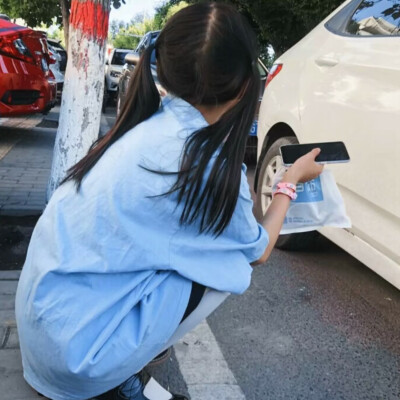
(331, 152)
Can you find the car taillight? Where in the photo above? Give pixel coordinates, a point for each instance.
(51, 75)
(52, 58)
(274, 71)
(14, 46)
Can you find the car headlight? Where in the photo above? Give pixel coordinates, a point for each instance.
(115, 74)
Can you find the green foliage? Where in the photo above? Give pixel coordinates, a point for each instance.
(56, 33)
(174, 9)
(282, 23)
(38, 12)
(128, 36)
(34, 12)
(167, 10)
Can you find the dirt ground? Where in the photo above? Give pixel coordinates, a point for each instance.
(15, 233)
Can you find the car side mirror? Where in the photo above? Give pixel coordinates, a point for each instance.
(132, 58)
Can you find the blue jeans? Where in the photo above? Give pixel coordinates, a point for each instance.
(133, 388)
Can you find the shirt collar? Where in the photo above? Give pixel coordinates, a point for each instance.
(188, 115)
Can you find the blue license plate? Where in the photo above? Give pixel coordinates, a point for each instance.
(253, 130)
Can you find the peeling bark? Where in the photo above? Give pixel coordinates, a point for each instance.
(80, 112)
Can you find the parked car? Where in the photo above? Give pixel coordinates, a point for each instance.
(56, 45)
(55, 69)
(26, 85)
(130, 62)
(113, 71)
(342, 83)
(133, 58)
(145, 41)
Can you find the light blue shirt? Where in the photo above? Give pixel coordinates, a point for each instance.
(109, 268)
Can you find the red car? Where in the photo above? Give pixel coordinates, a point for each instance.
(26, 83)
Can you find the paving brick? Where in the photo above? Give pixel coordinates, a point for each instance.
(18, 190)
(3, 331)
(20, 199)
(6, 302)
(12, 383)
(8, 287)
(7, 318)
(9, 182)
(21, 211)
(10, 275)
(12, 341)
(34, 196)
(14, 361)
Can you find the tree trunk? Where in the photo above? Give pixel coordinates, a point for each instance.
(83, 87)
(65, 6)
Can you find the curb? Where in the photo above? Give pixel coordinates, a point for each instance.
(10, 275)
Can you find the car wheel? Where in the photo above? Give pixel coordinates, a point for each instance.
(270, 163)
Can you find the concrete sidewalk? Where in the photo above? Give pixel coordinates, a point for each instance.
(25, 171)
(26, 151)
(12, 384)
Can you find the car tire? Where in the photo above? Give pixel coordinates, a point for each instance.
(269, 164)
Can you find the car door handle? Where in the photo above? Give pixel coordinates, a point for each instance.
(326, 61)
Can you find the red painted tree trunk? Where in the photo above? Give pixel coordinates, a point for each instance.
(80, 113)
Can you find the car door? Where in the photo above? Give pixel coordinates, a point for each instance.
(352, 93)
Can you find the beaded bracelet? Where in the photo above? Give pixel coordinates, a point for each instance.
(286, 188)
(286, 185)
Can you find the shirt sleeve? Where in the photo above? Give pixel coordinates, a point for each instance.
(251, 237)
(221, 262)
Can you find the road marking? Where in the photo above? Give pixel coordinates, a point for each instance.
(204, 367)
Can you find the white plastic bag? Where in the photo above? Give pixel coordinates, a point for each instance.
(319, 203)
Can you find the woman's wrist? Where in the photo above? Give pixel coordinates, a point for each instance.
(290, 176)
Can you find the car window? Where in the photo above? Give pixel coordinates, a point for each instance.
(119, 57)
(141, 47)
(262, 71)
(376, 18)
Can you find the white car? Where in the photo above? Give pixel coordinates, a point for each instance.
(114, 65)
(55, 69)
(342, 83)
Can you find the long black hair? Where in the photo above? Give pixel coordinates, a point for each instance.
(207, 55)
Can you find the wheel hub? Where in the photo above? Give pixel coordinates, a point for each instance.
(267, 181)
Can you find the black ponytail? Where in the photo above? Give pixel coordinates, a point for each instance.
(143, 101)
(213, 52)
(213, 202)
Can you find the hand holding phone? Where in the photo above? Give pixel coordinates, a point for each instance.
(304, 169)
(331, 152)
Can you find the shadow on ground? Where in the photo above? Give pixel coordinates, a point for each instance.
(15, 233)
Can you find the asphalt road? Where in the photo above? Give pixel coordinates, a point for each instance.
(313, 326)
